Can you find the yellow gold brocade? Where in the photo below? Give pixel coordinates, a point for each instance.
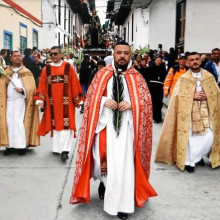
(31, 118)
(200, 117)
(204, 111)
(173, 142)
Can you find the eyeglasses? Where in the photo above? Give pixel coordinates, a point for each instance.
(55, 54)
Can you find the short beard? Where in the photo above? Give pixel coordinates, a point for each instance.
(195, 69)
(122, 67)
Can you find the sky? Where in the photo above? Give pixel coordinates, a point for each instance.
(101, 9)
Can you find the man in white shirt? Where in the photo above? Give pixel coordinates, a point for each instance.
(213, 66)
(68, 60)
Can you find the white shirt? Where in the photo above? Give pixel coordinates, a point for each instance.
(217, 67)
(56, 64)
(70, 61)
(198, 83)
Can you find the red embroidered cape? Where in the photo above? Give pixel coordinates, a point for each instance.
(142, 118)
(61, 92)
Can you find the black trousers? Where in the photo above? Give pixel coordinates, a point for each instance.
(156, 91)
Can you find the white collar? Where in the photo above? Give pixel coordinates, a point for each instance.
(16, 69)
(216, 64)
(57, 64)
(197, 75)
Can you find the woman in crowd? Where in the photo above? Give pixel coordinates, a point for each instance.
(156, 75)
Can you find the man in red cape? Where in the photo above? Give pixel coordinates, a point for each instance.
(59, 92)
(118, 154)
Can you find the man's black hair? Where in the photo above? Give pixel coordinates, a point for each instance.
(157, 56)
(187, 53)
(3, 51)
(86, 56)
(215, 49)
(101, 63)
(193, 53)
(56, 48)
(15, 51)
(121, 42)
(27, 52)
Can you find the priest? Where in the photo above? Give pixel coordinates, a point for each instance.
(191, 127)
(116, 138)
(19, 117)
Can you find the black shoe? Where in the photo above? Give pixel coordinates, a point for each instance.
(8, 151)
(64, 155)
(122, 215)
(101, 190)
(21, 151)
(200, 163)
(189, 169)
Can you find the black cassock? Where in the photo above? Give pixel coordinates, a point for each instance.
(156, 77)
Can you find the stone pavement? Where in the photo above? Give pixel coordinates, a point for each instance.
(37, 186)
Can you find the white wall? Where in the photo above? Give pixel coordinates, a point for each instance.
(140, 28)
(79, 25)
(202, 32)
(202, 28)
(51, 26)
(162, 24)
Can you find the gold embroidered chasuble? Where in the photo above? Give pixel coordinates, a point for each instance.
(173, 142)
(31, 118)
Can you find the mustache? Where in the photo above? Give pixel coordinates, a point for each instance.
(122, 60)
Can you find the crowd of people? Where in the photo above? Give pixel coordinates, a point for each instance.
(120, 95)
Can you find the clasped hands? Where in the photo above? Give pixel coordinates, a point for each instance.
(122, 106)
(200, 96)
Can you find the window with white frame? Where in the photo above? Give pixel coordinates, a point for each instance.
(8, 39)
(23, 37)
(35, 38)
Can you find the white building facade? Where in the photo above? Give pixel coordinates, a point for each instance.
(187, 24)
(136, 27)
(20, 24)
(60, 25)
(130, 20)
